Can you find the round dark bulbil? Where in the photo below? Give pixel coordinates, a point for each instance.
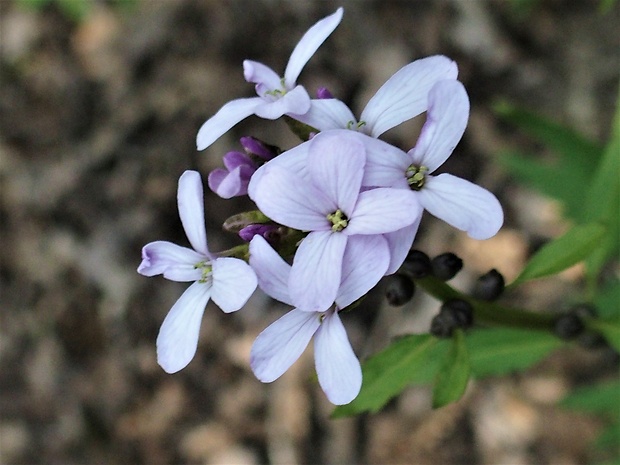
(568, 326)
(399, 289)
(462, 310)
(489, 286)
(446, 266)
(417, 264)
(443, 324)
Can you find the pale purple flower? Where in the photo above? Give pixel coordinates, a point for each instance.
(328, 203)
(458, 202)
(282, 343)
(277, 95)
(232, 181)
(401, 98)
(228, 281)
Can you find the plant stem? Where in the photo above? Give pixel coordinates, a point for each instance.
(488, 313)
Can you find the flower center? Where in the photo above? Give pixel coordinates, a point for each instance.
(416, 176)
(206, 270)
(355, 126)
(339, 220)
(277, 93)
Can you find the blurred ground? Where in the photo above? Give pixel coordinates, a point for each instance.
(98, 119)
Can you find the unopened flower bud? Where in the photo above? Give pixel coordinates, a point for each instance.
(417, 265)
(257, 147)
(323, 93)
(489, 286)
(265, 230)
(462, 310)
(443, 324)
(446, 266)
(399, 289)
(568, 326)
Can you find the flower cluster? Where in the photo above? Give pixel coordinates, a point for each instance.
(335, 214)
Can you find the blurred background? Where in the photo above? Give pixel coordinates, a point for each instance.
(100, 102)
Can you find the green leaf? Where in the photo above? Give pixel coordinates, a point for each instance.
(409, 359)
(610, 329)
(603, 200)
(75, 10)
(497, 351)
(607, 302)
(453, 375)
(564, 252)
(599, 398)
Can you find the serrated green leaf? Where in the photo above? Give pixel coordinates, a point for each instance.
(409, 359)
(599, 398)
(563, 252)
(453, 374)
(497, 351)
(610, 329)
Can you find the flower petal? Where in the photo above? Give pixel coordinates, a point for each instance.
(234, 281)
(316, 271)
(190, 198)
(282, 343)
(226, 184)
(173, 261)
(293, 160)
(227, 116)
(272, 271)
(462, 204)
(178, 336)
(336, 164)
(399, 243)
(446, 119)
(404, 95)
(337, 367)
(309, 44)
(295, 101)
(385, 164)
(365, 261)
(262, 75)
(383, 210)
(326, 114)
(286, 199)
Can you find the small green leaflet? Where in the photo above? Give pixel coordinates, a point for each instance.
(610, 329)
(453, 375)
(574, 246)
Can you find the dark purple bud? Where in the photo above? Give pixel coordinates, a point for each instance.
(417, 264)
(462, 311)
(399, 289)
(446, 266)
(234, 159)
(265, 230)
(489, 286)
(257, 147)
(323, 92)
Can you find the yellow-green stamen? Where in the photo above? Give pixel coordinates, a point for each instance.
(206, 270)
(339, 220)
(416, 176)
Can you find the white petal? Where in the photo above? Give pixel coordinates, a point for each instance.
(281, 344)
(234, 281)
(338, 369)
(317, 267)
(326, 114)
(227, 116)
(404, 95)
(462, 204)
(190, 198)
(293, 160)
(287, 199)
(448, 111)
(294, 101)
(399, 243)
(383, 210)
(272, 271)
(365, 261)
(178, 336)
(160, 256)
(385, 164)
(258, 73)
(336, 162)
(309, 44)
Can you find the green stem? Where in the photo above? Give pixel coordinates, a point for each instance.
(487, 312)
